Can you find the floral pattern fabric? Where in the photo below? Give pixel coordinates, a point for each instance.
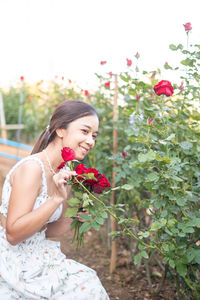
(36, 268)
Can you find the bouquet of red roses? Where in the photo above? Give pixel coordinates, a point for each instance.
(87, 183)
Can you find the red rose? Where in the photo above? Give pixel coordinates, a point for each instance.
(137, 55)
(22, 78)
(110, 73)
(103, 62)
(136, 69)
(150, 122)
(164, 87)
(107, 84)
(187, 26)
(69, 80)
(129, 62)
(62, 78)
(80, 169)
(86, 93)
(102, 183)
(137, 97)
(124, 153)
(91, 181)
(61, 165)
(68, 154)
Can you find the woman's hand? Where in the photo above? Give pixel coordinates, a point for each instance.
(60, 179)
(80, 213)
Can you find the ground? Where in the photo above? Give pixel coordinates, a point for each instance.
(126, 283)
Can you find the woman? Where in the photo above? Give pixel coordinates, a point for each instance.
(33, 207)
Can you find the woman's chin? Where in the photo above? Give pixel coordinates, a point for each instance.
(80, 157)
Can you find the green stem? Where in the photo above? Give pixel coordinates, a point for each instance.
(117, 219)
(148, 132)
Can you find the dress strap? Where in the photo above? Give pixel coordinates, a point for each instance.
(35, 158)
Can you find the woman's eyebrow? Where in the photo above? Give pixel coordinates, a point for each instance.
(89, 127)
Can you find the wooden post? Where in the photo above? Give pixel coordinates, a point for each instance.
(113, 258)
(3, 119)
(21, 100)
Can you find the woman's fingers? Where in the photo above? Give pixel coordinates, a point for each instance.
(68, 175)
(60, 179)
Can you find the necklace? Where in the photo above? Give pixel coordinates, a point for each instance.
(47, 159)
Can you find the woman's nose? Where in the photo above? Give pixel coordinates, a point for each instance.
(90, 140)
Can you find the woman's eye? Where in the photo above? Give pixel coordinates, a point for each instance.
(94, 137)
(85, 131)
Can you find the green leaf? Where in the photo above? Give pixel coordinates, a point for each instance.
(186, 145)
(144, 254)
(137, 258)
(71, 212)
(197, 256)
(171, 263)
(104, 214)
(96, 226)
(188, 230)
(172, 47)
(73, 202)
(124, 78)
(86, 217)
(180, 201)
(181, 269)
(142, 158)
(127, 187)
(170, 137)
(190, 254)
(85, 227)
(152, 177)
(188, 62)
(99, 220)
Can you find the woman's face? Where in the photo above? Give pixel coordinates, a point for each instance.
(81, 135)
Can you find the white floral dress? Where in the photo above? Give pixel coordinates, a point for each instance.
(36, 268)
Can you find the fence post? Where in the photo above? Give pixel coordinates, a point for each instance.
(3, 120)
(113, 258)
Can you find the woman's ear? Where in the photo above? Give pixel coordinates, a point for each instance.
(60, 132)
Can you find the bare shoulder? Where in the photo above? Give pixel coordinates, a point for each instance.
(28, 171)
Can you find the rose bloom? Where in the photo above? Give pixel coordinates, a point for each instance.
(107, 84)
(181, 86)
(86, 93)
(68, 154)
(187, 26)
(164, 87)
(103, 62)
(137, 55)
(129, 62)
(101, 184)
(137, 97)
(22, 78)
(150, 122)
(97, 185)
(124, 153)
(61, 165)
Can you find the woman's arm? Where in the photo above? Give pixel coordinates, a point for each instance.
(22, 221)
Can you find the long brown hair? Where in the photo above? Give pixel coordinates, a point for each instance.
(65, 113)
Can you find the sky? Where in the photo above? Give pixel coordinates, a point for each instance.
(41, 39)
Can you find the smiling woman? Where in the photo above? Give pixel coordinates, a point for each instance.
(32, 266)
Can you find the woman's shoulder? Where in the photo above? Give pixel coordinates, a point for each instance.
(31, 166)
